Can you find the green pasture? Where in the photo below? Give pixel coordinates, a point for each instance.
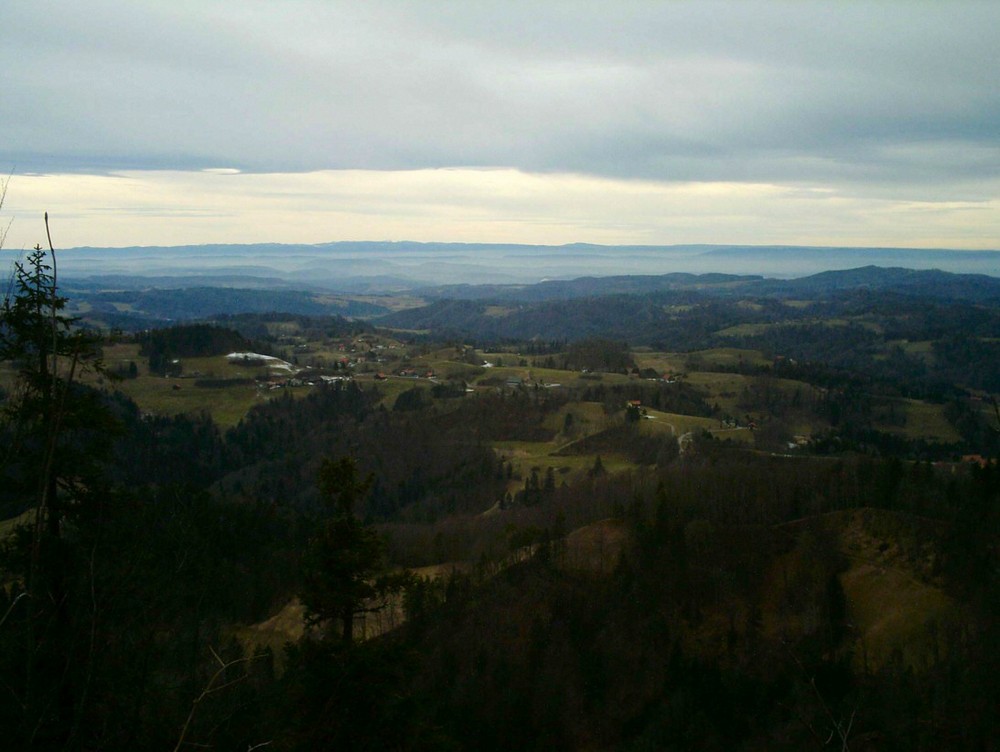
(922, 349)
(727, 357)
(588, 417)
(393, 386)
(524, 455)
(721, 388)
(226, 405)
(746, 330)
(924, 421)
(676, 424)
(497, 311)
(661, 362)
(122, 353)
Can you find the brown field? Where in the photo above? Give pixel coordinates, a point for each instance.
(896, 609)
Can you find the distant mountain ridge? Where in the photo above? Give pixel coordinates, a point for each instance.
(589, 286)
(375, 267)
(931, 283)
(650, 308)
(139, 308)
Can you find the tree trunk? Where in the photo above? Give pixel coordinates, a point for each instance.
(348, 619)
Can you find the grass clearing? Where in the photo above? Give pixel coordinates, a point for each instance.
(122, 352)
(892, 613)
(525, 455)
(723, 388)
(676, 424)
(728, 357)
(497, 311)
(895, 606)
(742, 435)
(661, 362)
(394, 386)
(924, 420)
(523, 449)
(227, 405)
(587, 417)
(745, 330)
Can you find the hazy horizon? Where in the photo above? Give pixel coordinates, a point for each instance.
(344, 265)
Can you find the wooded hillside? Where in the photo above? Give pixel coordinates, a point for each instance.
(663, 521)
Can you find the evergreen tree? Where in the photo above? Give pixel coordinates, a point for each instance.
(55, 435)
(345, 569)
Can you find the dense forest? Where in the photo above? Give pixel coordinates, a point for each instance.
(661, 520)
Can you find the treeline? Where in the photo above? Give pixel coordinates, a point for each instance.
(676, 397)
(671, 321)
(161, 346)
(598, 354)
(192, 303)
(254, 326)
(437, 462)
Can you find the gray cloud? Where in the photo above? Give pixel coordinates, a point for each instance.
(883, 97)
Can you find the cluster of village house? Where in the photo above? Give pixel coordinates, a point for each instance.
(357, 353)
(304, 380)
(412, 373)
(311, 377)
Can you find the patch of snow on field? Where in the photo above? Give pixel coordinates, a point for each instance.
(269, 360)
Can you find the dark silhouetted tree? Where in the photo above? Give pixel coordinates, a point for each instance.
(345, 568)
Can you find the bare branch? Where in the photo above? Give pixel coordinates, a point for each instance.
(55, 330)
(3, 197)
(211, 688)
(11, 607)
(216, 656)
(837, 727)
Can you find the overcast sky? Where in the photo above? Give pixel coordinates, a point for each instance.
(827, 123)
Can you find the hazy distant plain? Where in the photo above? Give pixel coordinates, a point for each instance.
(384, 266)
